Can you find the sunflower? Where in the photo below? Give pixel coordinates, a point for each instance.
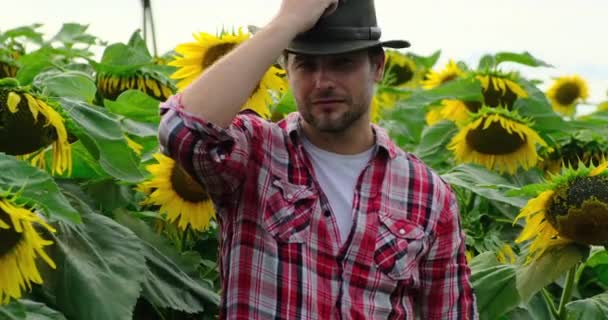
(436, 78)
(500, 89)
(196, 57)
(111, 85)
(180, 197)
(566, 92)
(136, 147)
(602, 106)
(449, 109)
(506, 254)
(20, 246)
(497, 139)
(401, 70)
(381, 101)
(582, 148)
(572, 207)
(8, 69)
(28, 124)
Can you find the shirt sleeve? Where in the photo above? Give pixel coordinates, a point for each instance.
(216, 157)
(446, 289)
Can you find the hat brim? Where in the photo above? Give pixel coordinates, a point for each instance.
(337, 47)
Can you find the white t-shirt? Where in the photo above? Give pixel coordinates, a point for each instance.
(337, 176)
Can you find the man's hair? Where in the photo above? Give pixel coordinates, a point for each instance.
(372, 52)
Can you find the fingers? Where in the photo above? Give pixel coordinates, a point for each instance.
(331, 8)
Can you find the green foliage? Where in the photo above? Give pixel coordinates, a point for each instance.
(103, 137)
(34, 187)
(119, 260)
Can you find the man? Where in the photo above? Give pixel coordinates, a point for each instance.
(321, 215)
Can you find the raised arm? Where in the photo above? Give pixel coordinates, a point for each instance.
(219, 93)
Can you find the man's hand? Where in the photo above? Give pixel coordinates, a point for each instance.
(304, 14)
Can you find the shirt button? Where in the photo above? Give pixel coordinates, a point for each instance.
(401, 231)
(327, 213)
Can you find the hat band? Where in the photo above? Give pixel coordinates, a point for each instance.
(341, 34)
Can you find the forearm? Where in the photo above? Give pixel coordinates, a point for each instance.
(220, 92)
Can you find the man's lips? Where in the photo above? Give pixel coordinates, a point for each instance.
(327, 101)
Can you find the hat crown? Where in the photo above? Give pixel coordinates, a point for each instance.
(352, 20)
(351, 27)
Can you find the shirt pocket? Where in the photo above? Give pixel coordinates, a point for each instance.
(399, 245)
(288, 211)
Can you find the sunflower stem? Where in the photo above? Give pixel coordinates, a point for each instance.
(471, 202)
(567, 293)
(185, 238)
(549, 300)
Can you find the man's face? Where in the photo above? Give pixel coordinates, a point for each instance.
(333, 92)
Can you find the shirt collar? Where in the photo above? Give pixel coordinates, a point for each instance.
(292, 125)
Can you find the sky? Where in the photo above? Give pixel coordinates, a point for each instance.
(569, 35)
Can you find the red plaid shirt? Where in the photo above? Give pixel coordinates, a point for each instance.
(280, 255)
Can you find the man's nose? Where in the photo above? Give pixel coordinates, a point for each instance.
(324, 79)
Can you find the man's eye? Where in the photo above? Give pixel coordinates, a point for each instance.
(307, 65)
(344, 62)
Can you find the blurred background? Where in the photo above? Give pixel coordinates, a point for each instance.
(568, 35)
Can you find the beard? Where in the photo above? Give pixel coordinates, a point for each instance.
(339, 120)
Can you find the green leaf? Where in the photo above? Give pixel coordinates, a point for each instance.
(72, 33)
(67, 84)
(84, 166)
(432, 148)
(102, 135)
(171, 278)
(287, 104)
(598, 261)
(138, 43)
(535, 309)
(28, 32)
(135, 105)
(483, 182)
(546, 269)
(29, 310)
(426, 61)
(34, 63)
(525, 58)
(405, 125)
(120, 58)
(462, 89)
(36, 187)
(537, 108)
(100, 268)
(140, 129)
(495, 286)
(109, 194)
(594, 308)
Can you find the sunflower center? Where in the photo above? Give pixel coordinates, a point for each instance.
(448, 78)
(496, 98)
(403, 74)
(216, 52)
(579, 211)
(494, 140)
(186, 187)
(473, 106)
(20, 133)
(567, 94)
(9, 237)
(7, 70)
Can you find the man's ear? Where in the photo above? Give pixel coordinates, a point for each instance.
(378, 64)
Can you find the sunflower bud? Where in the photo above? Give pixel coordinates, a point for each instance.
(28, 124)
(579, 210)
(110, 86)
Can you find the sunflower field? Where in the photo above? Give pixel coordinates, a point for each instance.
(95, 223)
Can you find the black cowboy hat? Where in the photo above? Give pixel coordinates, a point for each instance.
(351, 27)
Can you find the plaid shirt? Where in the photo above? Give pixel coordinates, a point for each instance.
(280, 255)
